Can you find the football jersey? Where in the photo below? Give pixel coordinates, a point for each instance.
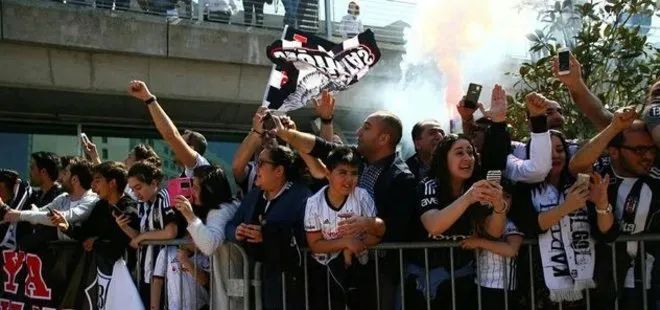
(494, 267)
(320, 216)
(183, 292)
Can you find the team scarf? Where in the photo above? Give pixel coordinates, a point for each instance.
(567, 249)
(305, 65)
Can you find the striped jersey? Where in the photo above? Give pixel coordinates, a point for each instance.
(183, 292)
(153, 216)
(495, 268)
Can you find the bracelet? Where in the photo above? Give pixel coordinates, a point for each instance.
(504, 210)
(605, 211)
(326, 120)
(151, 100)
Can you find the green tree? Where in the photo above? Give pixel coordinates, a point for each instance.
(618, 62)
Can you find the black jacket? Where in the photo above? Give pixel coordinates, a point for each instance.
(111, 240)
(395, 193)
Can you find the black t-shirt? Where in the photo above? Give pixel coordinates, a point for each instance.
(461, 229)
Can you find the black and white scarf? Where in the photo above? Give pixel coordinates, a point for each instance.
(306, 64)
(567, 249)
(22, 194)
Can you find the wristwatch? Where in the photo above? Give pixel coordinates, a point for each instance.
(605, 211)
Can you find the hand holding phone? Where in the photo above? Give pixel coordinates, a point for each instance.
(494, 176)
(583, 178)
(472, 96)
(179, 186)
(85, 140)
(268, 121)
(564, 56)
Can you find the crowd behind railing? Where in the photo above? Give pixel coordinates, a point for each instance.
(332, 18)
(325, 225)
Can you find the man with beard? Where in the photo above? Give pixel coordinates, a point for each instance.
(426, 135)
(634, 195)
(44, 171)
(384, 176)
(100, 228)
(76, 204)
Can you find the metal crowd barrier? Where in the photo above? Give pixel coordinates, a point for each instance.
(237, 286)
(528, 245)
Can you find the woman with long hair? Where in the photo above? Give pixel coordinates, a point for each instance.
(566, 217)
(456, 202)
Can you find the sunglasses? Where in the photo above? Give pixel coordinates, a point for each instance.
(640, 150)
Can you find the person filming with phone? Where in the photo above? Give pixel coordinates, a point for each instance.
(75, 205)
(207, 213)
(100, 231)
(635, 198)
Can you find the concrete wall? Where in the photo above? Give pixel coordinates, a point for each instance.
(47, 45)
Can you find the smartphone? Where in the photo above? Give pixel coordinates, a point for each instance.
(472, 96)
(494, 176)
(564, 61)
(582, 178)
(269, 123)
(84, 138)
(179, 186)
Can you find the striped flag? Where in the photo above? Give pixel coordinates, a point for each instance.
(306, 64)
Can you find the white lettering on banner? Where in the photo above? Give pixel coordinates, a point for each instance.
(101, 283)
(352, 60)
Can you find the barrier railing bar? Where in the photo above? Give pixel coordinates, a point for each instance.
(283, 290)
(257, 286)
(306, 281)
(561, 305)
(587, 295)
(505, 275)
(642, 252)
(616, 299)
(327, 276)
(531, 277)
(246, 274)
(402, 282)
(477, 255)
(451, 275)
(377, 277)
(195, 277)
(427, 273)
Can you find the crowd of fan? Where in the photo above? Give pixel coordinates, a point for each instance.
(302, 191)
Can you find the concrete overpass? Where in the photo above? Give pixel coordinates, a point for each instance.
(62, 65)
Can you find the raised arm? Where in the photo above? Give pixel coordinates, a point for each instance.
(325, 109)
(248, 147)
(164, 124)
(584, 159)
(303, 142)
(497, 142)
(536, 168)
(587, 102)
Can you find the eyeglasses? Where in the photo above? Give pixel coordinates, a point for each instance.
(261, 162)
(640, 150)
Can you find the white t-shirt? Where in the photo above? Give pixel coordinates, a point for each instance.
(320, 216)
(199, 162)
(492, 266)
(183, 292)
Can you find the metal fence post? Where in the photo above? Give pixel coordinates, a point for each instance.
(200, 10)
(328, 18)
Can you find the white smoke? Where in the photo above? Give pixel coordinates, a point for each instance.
(449, 45)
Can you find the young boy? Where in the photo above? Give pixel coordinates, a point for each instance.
(341, 223)
(187, 286)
